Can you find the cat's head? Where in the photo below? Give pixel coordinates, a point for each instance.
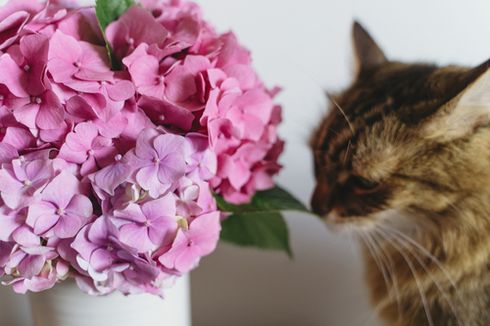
(402, 138)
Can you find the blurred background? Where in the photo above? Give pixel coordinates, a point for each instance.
(304, 46)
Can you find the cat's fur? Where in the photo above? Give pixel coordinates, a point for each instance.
(404, 153)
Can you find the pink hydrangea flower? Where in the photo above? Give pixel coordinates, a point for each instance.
(159, 160)
(61, 209)
(86, 147)
(79, 65)
(21, 181)
(107, 175)
(192, 244)
(136, 26)
(42, 112)
(149, 226)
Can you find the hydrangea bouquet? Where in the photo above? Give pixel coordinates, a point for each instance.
(133, 136)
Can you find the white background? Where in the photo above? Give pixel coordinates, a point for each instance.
(304, 46)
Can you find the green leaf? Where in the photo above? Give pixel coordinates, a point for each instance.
(260, 229)
(272, 200)
(260, 223)
(108, 11)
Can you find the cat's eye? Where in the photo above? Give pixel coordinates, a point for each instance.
(363, 185)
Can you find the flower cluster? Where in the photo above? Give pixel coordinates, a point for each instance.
(107, 175)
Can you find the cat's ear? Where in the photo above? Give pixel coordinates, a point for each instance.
(368, 53)
(466, 111)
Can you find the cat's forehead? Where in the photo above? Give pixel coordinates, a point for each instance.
(387, 93)
(410, 92)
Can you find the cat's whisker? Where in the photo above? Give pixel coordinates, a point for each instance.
(418, 258)
(415, 275)
(386, 301)
(336, 104)
(391, 271)
(423, 250)
(372, 251)
(346, 155)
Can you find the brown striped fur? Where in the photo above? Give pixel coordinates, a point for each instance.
(404, 153)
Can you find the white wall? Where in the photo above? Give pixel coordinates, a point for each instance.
(304, 46)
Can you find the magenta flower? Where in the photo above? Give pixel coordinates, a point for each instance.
(7, 153)
(32, 272)
(21, 181)
(13, 16)
(62, 209)
(146, 72)
(109, 263)
(192, 244)
(43, 112)
(5, 251)
(111, 174)
(201, 160)
(159, 160)
(13, 77)
(134, 27)
(150, 225)
(184, 84)
(34, 55)
(97, 248)
(223, 136)
(14, 133)
(10, 221)
(79, 65)
(86, 147)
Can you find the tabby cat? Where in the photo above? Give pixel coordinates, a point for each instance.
(403, 159)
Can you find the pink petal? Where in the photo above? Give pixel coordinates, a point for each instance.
(51, 114)
(31, 266)
(8, 224)
(187, 259)
(38, 169)
(89, 166)
(147, 178)
(180, 84)
(164, 206)
(27, 115)
(67, 226)
(121, 91)
(80, 206)
(64, 51)
(61, 189)
(25, 237)
(112, 176)
(10, 26)
(7, 153)
(78, 107)
(12, 76)
(101, 260)
(131, 213)
(94, 63)
(35, 50)
(71, 155)
(136, 237)
(166, 113)
(172, 168)
(98, 231)
(114, 127)
(169, 144)
(162, 230)
(19, 138)
(44, 223)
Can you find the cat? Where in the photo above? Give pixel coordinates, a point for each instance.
(403, 159)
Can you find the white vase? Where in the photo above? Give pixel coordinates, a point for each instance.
(66, 305)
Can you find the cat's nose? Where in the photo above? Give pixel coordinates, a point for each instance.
(321, 201)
